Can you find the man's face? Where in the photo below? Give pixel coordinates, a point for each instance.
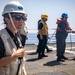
(45, 19)
(65, 18)
(18, 20)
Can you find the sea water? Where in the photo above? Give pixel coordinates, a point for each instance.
(32, 38)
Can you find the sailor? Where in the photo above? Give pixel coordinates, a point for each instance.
(11, 47)
(42, 36)
(62, 31)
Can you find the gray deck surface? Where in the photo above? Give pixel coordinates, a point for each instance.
(49, 65)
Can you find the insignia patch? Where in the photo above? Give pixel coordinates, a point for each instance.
(20, 8)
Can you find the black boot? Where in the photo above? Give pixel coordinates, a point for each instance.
(65, 58)
(39, 56)
(59, 58)
(48, 50)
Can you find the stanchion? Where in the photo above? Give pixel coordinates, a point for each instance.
(51, 36)
(71, 42)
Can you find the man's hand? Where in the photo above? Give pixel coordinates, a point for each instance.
(73, 31)
(19, 53)
(26, 37)
(70, 31)
(41, 37)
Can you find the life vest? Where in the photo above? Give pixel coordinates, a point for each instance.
(44, 30)
(10, 47)
(66, 23)
(24, 29)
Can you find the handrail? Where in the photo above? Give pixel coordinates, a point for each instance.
(32, 37)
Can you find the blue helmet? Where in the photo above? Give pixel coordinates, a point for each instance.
(64, 15)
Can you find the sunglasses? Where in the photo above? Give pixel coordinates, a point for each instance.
(18, 17)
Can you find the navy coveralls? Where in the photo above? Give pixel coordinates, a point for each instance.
(61, 39)
(42, 42)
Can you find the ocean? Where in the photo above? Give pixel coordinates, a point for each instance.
(32, 38)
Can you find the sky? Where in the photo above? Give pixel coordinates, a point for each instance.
(34, 9)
